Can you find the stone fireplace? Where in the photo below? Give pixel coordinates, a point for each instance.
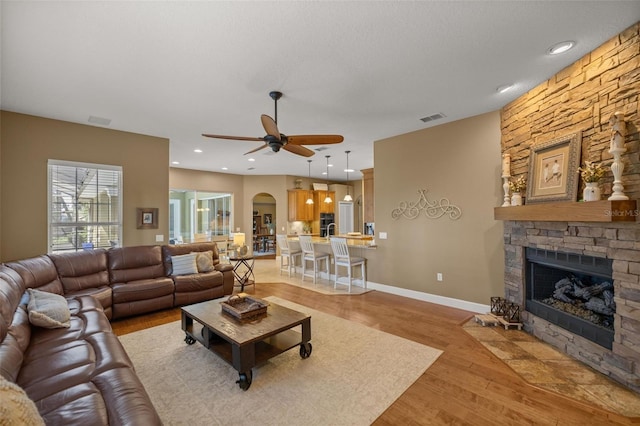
(599, 249)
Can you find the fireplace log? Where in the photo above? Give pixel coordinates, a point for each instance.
(588, 292)
(597, 305)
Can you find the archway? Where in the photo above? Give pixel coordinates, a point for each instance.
(264, 225)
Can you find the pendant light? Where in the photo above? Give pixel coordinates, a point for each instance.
(348, 196)
(310, 199)
(328, 200)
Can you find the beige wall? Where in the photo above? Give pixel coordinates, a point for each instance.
(459, 161)
(28, 142)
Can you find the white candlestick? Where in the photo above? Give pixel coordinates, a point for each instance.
(506, 165)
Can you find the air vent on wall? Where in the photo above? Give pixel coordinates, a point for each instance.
(433, 117)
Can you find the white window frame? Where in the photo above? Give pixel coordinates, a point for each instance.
(112, 222)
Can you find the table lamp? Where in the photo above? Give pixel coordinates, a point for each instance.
(239, 242)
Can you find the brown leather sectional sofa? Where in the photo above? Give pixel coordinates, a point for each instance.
(82, 374)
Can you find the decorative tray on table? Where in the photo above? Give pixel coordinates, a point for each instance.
(244, 307)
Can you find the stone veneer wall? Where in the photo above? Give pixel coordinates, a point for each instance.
(582, 97)
(619, 242)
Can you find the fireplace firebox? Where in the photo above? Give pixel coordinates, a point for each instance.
(573, 291)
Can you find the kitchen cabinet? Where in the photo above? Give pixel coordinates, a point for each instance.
(320, 206)
(299, 210)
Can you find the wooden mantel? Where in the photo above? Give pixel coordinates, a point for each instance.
(593, 211)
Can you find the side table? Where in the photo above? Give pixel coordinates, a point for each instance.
(243, 269)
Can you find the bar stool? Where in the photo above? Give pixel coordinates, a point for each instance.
(288, 253)
(341, 257)
(309, 254)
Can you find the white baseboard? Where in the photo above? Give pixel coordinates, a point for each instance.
(432, 298)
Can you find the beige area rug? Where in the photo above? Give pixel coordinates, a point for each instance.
(353, 374)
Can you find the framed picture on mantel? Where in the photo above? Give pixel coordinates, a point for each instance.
(553, 170)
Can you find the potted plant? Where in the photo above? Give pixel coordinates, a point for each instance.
(591, 174)
(517, 187)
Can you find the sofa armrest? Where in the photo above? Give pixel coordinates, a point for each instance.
(227, 274)
(223, 267)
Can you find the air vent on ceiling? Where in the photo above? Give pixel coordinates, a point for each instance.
(433, 117)
(251, 168)
(322, 148)
(99, 120)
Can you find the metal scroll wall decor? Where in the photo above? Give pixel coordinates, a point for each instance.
(431, 209)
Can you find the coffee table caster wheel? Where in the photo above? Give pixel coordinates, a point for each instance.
(245, 380)
(305, 350)
(189, 340)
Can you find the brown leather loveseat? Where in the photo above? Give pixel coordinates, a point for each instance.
(78, 372)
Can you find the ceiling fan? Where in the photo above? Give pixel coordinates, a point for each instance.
(276, 140)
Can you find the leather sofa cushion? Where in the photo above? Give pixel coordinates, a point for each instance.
(197, 282)
(135, 263)
(38, 272)
(82, 269)
(14, 345)
(11, 290)
(142, 290)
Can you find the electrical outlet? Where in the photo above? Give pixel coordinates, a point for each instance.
(439, 276)
(383, 235)
(159, 238)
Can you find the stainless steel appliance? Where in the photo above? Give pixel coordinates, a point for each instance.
(325, 220)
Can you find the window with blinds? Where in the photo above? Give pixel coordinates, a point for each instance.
(85, 206)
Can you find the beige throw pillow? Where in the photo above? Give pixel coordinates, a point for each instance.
(184, 264)
(15, 406)
(204, 260)
(48, 310)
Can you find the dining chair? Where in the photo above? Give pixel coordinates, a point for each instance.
(341, 257)
(309, 254)
(287, 252)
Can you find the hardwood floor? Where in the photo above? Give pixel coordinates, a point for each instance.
(467, 385)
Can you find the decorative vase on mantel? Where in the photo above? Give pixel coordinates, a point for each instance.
(591, 191)
(516, 199)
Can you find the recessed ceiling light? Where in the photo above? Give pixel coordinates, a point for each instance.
(252, 159)
(504, 88)
(175, 162)
(197, 150)
(349, 170)
(225, 168)
(561, 47)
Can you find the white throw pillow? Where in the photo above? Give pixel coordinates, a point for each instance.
(204, 260)
(48, 310)
(184, 264)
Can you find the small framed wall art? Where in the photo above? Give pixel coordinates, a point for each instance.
(147, 218)
(553, 166)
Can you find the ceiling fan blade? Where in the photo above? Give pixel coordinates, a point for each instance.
(314, 139)
(297, 149)
(270, 126)
(239, 138)
(257, 149)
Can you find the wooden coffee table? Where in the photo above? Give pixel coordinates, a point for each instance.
(245, 344)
